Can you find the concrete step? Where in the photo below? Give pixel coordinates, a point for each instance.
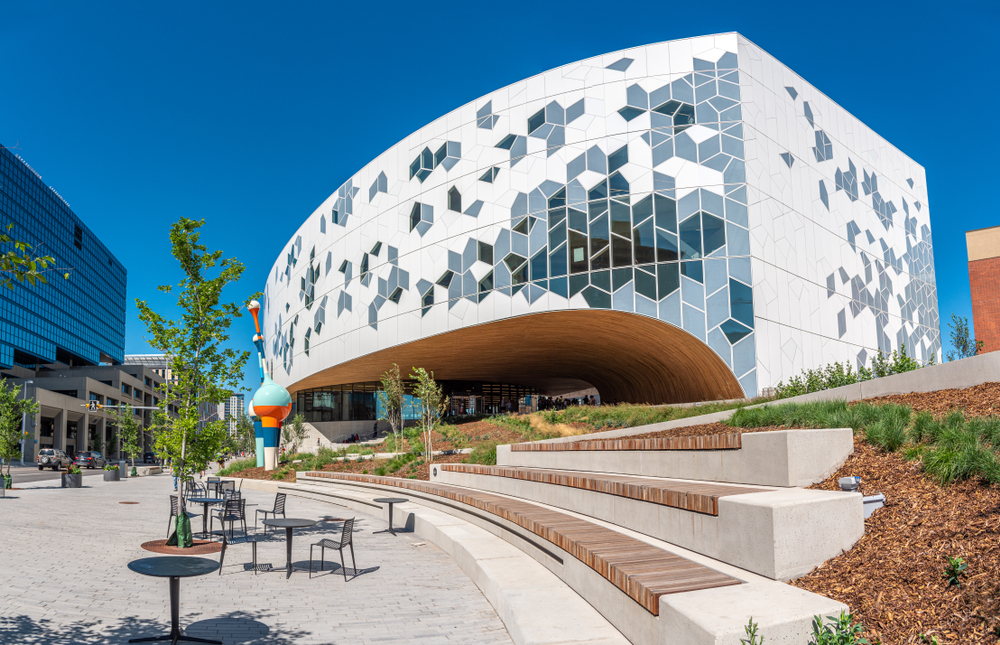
(775, 458)
(536, 607)
(711, 616)
(780, 533)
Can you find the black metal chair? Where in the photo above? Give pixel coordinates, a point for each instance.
(346, 539)
(232, 512)
(194, 489)
(244, 539)
(279, 509)
(213, 484)
(174, 501)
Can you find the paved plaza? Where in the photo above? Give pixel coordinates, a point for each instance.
(63, 577)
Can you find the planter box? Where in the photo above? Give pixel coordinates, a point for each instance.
(72, 481)
(112, 476)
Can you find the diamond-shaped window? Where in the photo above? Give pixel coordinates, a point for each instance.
(421, 217)
(445, 279)
(377, 248)
(485, 253)
(490, 175)
(454, 200)
(513, 261)
(396, 295)
(423, 165)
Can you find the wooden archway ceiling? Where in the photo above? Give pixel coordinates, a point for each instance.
(627, 357)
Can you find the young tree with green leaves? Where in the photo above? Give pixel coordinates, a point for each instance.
(961, 339)
(20, 264)
(204, 371)
(12, 411)
(432, 404)
(129, 430)
(391, 398)
(293, 433)
(245, 438)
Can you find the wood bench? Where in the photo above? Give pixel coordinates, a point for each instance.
(730, 441)
(643, 571)
(698, 497)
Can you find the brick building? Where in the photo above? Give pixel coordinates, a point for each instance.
(984, 280)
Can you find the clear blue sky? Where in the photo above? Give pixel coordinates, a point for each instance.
(250, 114)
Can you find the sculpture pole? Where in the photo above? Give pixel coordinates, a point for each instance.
(271, 403)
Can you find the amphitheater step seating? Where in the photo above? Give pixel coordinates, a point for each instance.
(779, 533)
(698, 497)
(776, 458)
(642, 571)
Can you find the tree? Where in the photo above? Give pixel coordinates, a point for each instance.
(96, 443)
(245, 437)
(961, 339)
(203, 370)
(129, 430)
(432, 404)
(21, 264)
(112, 445)
(12, 413)
(293, 433)
(391, 398)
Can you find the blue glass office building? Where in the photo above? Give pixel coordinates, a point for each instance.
(80, 321)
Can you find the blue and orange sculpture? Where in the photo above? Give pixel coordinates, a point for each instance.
(271, 403)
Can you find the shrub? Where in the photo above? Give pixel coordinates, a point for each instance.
(484, 454)
(837, 631)
(837, 374)
(237, 466)
(888, 431)
(954, 570)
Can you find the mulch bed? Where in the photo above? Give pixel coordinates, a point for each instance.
(198, 547)
(892, 579)
(978, 401)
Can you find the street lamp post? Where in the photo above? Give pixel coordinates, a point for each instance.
(24, 420)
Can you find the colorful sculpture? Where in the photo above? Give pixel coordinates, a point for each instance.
(271, 403)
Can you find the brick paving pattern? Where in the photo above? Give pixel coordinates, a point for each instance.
(63, 577)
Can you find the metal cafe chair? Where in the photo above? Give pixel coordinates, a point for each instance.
(346, 539)
(232, 512)
(279, 509)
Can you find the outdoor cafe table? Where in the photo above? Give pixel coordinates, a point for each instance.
(390, 501)
(289, 524)
(205, 501)
(175, 568)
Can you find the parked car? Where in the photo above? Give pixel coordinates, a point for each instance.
(90, 459)
(52, 458)
(150, 458)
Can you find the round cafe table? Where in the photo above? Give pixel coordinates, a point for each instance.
(390, 501)
(289, 525)
(205, 501)
(175, 568)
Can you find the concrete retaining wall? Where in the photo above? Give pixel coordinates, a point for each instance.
(780, 534)
(707, 617)
(777, 458)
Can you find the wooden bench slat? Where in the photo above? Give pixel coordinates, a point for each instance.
(642, 571)
(690, 496)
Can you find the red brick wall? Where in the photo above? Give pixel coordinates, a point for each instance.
(984, 279)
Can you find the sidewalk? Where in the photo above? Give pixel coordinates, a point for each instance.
(64, 578)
